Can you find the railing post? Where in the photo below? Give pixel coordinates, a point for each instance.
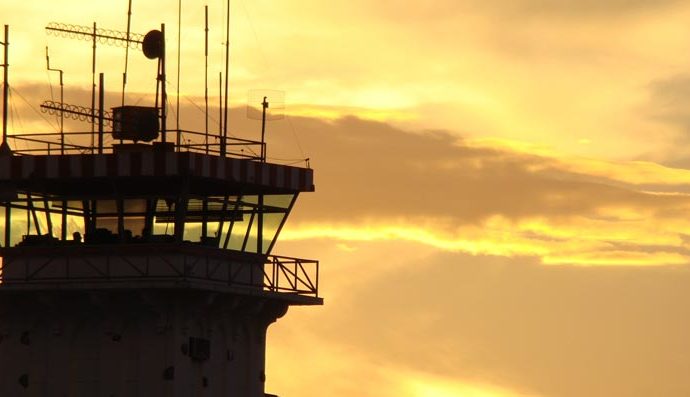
(316, 285)
(298, 267)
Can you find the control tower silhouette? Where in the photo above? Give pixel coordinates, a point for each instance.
(138, 261)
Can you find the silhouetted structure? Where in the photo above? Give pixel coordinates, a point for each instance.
(143, 269)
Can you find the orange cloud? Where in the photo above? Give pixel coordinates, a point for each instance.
(379, 183)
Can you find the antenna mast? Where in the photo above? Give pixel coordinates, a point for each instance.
(124, 75)
(62, 103)
(227, 67)
(93, 81)
(4, 148)
(220, 110)
(206, 77)
(5, 85)
(264, 106)
(179, 52)
(164, 91)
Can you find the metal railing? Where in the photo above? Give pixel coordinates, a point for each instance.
(182, 141)
(161, 262)
(292, 275)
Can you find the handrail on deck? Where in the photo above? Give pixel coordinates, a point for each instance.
(182, 141)
(276, 274)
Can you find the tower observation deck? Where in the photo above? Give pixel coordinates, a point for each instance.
(144, 267)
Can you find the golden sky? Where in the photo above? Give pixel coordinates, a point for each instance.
(502, 201)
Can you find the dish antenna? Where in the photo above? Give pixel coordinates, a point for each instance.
(152, 45)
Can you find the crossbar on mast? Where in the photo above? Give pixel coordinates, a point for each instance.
(105, 36)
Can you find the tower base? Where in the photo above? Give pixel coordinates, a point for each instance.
(129, 343)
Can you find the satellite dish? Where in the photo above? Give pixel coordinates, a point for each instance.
(153, 44)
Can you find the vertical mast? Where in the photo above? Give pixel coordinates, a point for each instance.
(264, 106)
(101, 94)
(5, 85)
(227, 67)
(93, 84)
(179, 52)
(220, 111)
(124, 75)
(164, 92)
(5, 91)
(62, 102)
(206, 77)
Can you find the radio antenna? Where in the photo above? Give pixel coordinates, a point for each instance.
(227, 67)
(206, 77)
(124, 75)
(179, 53)
(258, 108)
(93, 81)
(62, 103)
(5, 88)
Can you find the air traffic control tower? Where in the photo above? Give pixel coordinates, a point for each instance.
(142, 265)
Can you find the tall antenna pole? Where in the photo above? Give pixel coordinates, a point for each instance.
(101, 93)
(93, 85)
(264, 106)
(204, 204)
(206, 78)
(220, 110)
(5, 85)
(164, 92)
(179, 52)
(5, 91)
(227, 67)
(124, 75)
(62, 104)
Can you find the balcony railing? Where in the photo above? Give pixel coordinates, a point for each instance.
(116, 264)
(85, 142)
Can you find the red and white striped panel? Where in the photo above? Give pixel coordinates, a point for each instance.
(156, 165)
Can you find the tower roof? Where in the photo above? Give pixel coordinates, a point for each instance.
(79, 175)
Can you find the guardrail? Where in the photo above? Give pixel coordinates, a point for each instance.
(85, 142)
(158, 262)
(292, 275)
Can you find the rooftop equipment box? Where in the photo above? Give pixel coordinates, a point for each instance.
(136, 123)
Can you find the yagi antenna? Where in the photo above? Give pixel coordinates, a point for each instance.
(103, 36)
(152, 45)
(75, 112)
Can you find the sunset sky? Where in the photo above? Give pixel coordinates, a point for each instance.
(502, 186)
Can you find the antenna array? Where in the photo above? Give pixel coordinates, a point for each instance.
(103, 36)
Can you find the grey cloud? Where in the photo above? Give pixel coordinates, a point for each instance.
(372, 170)
(551, 331)
(441, 9)
(667, 105)
(669, 97)
(590, 7)
(557, 331)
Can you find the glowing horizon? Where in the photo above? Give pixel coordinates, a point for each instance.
(502, 190)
